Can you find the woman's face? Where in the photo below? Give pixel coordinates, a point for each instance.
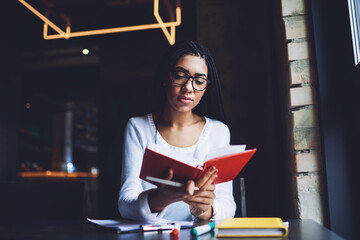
(184, 98)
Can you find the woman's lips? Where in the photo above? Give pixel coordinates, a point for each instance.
(184, 99)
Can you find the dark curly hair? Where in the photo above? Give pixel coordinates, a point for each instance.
(211, 103)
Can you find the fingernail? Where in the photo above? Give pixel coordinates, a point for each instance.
(212, 170)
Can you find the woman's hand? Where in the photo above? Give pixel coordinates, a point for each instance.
(164, 195)
(201, 201)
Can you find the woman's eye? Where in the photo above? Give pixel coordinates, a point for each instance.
(179, 75)
(199, 81)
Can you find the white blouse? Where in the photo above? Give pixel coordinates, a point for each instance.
(133, 197)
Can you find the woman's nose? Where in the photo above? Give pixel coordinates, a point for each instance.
(188, 85)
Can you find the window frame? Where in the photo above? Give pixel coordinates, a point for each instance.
(354, 15)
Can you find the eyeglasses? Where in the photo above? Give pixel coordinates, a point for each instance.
(181, 78)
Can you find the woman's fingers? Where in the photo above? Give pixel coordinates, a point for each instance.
(207, 179)
(190, 187)
(170, 174)
(204, 184)
(200, 205)
(210, 180)
(201, 201)
(201, 196)
(167, 176)
(206, 203)
(187, 190)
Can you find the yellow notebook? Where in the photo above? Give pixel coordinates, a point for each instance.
(252, 227)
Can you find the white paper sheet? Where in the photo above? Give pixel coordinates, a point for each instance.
(123, 226)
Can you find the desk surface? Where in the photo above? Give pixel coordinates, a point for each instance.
(49, 230)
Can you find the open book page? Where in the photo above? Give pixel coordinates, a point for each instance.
(223, 151)
(215, 153)
(175, 155)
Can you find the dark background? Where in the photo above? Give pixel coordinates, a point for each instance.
(116, 76)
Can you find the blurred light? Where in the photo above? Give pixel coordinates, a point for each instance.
(94, 170)
(85, 51)
(27, 105)
(68, 34)
(70, 167)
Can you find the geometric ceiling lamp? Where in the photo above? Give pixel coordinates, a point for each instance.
(170, 36)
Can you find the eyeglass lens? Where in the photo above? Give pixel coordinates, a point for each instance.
(181, 78)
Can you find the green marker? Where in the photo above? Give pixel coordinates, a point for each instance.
(196, 231)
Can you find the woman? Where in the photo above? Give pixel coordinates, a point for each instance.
(188, 119)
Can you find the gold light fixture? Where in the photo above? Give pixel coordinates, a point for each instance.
(170, 36)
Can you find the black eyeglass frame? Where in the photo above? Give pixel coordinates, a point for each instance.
(192, 80)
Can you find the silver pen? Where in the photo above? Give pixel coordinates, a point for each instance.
(167, 182)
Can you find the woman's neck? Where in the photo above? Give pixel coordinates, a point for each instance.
(177, 119)
(180, 129)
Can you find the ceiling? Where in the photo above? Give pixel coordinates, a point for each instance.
(25, 34)
(85, 15)
(25, 30)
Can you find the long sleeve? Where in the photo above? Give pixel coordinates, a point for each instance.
(133, 200)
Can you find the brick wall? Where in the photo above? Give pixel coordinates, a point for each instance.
(308, 178)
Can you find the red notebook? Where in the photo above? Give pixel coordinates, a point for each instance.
(228, 160)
